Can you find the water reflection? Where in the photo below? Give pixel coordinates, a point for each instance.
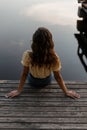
(20, 18)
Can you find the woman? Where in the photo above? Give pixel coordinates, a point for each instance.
(40, 62)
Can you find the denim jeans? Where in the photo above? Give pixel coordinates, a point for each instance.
(39, 82)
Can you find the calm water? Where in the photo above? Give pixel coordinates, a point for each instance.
(20, 18)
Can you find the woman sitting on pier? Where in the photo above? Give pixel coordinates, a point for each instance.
(40, 63)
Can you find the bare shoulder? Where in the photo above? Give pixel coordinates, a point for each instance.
(28, 51)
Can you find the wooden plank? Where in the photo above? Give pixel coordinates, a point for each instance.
(43, 126)
(46, 108)
(73, 120)
(8, 82)
(44, 99)
(72, 85)
(45, 104)
(43, 114)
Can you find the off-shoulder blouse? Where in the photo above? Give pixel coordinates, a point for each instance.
(36, 71)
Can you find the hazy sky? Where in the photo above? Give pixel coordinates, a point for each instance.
(50, 11)
(53, 12)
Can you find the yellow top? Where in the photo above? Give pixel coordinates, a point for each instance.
(36, 71)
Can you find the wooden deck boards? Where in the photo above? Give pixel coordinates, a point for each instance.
(43, 109)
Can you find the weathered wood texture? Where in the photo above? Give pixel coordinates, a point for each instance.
(43, 109)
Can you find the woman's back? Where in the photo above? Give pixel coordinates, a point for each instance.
(39, 71)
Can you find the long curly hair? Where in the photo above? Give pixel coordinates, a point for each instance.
(42, 48)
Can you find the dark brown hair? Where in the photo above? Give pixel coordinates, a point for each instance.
(42, 48)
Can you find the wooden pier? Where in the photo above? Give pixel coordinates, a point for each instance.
(43, 109)
(82, 10)
(82, 1)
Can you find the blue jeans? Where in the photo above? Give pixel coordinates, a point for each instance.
(39, 82)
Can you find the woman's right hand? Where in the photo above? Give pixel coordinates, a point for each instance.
(13, 93)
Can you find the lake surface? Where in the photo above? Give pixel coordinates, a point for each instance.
(20, 18)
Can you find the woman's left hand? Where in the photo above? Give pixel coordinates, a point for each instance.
(72, 94)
